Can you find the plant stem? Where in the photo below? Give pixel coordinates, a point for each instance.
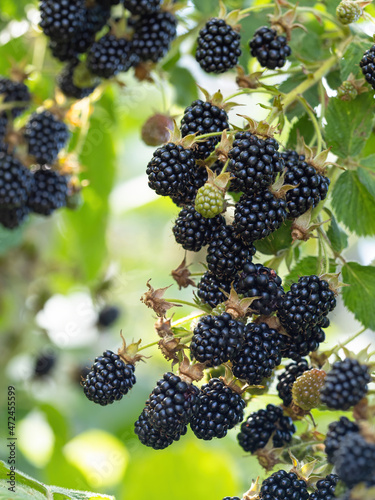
(148, 345)
(315, 123)
(225, 166)
(186, 319)
(183, 302)
(214, 134)
(305, 445)
(353, 337)
(256, 7)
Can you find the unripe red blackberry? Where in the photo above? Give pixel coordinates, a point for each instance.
(259, 355)
(287, 379)
(325, 488)
(218, 47)
(211, 289)
(16, 182)
(270, 49)
(151, 437)
(14, 92)
(282, 484)
(345, 385)
(219, 409)
(11, 218)
(336, 433)
(306, 389)
(109, 56)
(217, 339)
(155, 130)
(355, 460)
(49, 192)
(348, 12)
(66, 82)
(61, 20)
(142, 7)
(367, 65)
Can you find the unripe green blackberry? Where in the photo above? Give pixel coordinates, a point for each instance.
(209, 201)
(306, 389)
(348, 12)
(347, 91)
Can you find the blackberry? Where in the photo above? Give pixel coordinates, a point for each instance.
(218, 47)
(108, 315)
(325, 488)
(204, 118)
(49, 192)
(270, 49)
(257, 430)
(172, 404)
(109, 379)
(150, 436)
(231, 498)
(337, 431)
(169, 171)
(153, 34)
(142, 7)
(306, 389)
(312, 187)
(258, 216)
(193, 231)
(345, 385)
(44, 364)
(254, 163)
(210, 201)
(219, 409)
(46, 136)
(210, 289)
(108, 3)
(259, 281)
(282, 484)
(14, 92)
(63, 19)
(287, 379)
(259, 355)
(306, 304)
(11, 218)
(109, 56)
(227, 254)
(66, 82)
(217, 339)
(348, 12)
(3, 128)
(297, 345)
(367, 65)
(355, 460)
(15, 181)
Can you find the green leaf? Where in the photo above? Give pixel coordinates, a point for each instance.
(185, 86)
(10, 238)
(366, 173)
(334, 79)
(209, 7)
(305, 128)
(353, 54)
(311, 95)
(337, 236)
(360, 295)
(278, 240)
(306, 267)
(353, 204)
(358, 116)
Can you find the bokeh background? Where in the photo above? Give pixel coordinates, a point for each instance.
(56, 274)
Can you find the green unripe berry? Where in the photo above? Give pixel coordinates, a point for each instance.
(209, 201)
(306, 389)
(347, 91)
(348, 12)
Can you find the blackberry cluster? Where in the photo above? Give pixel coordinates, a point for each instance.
(259, 281)
(141, 7)
(217, 339)
(44, 364)
(204, 118)
(367, 65)
(109, 379)
(325, 488)
(108, 315)
(257, 430)
(67, 84)
(211, 289)
(16, 182)
(109, 56)
(257, 216)
(282, 484)
(337, 431)
(62, 20)
(270, 49)
(345, 385)
(254, 163)
(355, 460)
(259, 355)
(218, 47)
(219, 409)
(151, 437)
(49, 192)
(287, 379)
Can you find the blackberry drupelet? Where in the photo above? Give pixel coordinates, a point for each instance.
(49, 192)
(270, 49)
(282, 484)
(367, 65)
(109, 56)
(193, 231)
(170, 170)
(217, 339)
(259, 355)
(325, 488)
(306, 389)
(109, 380)
(210, 289)
(261, 425)
(15, 181)
(297, 345)
(219, 47)
(355, 460)
(63, 19)
(14, 92)
(287, 379)
(108, 315)
(259, 281)
(11, 218)
(254, 163)
(44, 364)
(66, 82)
(153, 34)
(345, 385)
(306, 304)
(152, 437)
(337, 431)
(227, 254)
(219, 409)
(142, 7)
(204, 118)
(46, 136)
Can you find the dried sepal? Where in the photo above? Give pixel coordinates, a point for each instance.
(224, 146)
(170, 347)
(319, 162)
(279, 189)
(364, 411)
(143, 70)
(217, 99)
(233, 18)
(220, 181)
(182, 275)
(190, 372)
(333, 280)
(302, 228)
(129, 353)
(154, 300)
(269, 456)
(250, 81)
(303, 469)
(262, 128)
(235, 306)
(284, 23)
(351, 87)
(253, 492)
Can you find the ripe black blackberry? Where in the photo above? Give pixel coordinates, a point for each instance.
(204, 118)
(15, 181)
(3, 128)
(261, 425)
(367, 65)
(44, 364)
(14, 92)
(217, 339)
(270, 49)
(345, 385)
(193, 231)
(259, 355)
(151, 437)
(11, 218)
(219, 409)
(172, 404)
(259, 281)
(231, 498)
(108, 315)
(288, 377)
(219, 46)
(153, 34)
(109, 56)
(282, 484)
(63, 19)
(227, 254)
(66, 82)
(297, 345)
(306, 304)
(355, 460)
(48, 193)
(325, 488)
(336, 433)
(210, 289)
(142, 7)
(169, 171)
(46, 136)
(109, 380)
(254, 163)
(312, 187)
(257, 216)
